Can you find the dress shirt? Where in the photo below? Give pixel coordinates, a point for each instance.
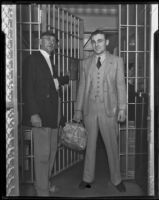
(47, 58)
(102, 58)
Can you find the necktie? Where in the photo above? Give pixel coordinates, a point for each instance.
(98, 62)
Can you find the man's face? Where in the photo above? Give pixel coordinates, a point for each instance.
(99, 43)
(48, 43)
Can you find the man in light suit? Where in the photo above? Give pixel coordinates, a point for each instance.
(101, 101)
(40, 111)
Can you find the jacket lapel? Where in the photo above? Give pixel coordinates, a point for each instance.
(89, 72)
(44, 66)
(108, 64)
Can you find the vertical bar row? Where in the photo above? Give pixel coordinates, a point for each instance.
(64, 24)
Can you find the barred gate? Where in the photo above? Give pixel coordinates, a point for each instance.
(31, 21)
(134, 48)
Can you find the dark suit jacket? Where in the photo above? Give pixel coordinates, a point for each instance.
(39, 92)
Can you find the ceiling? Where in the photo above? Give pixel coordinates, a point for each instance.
(91, 9)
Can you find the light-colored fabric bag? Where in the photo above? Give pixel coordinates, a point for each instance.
(74, 136)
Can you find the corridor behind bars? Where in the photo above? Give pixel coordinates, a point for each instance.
(68, 181)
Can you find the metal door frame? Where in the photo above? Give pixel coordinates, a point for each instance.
(127, 25)
(9, 29)
(151, 173)
(150, 118)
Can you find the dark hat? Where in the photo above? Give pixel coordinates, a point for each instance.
(49, 33)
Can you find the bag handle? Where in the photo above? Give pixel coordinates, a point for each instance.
(74, 121)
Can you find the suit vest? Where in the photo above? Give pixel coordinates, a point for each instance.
(97, 76)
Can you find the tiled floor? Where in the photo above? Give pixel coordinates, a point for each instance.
(69, 180)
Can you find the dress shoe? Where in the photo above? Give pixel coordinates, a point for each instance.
(121, 187)
(84, 185)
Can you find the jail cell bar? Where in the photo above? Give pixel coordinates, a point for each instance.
(134, 32)
(69, 30)
(31, 21)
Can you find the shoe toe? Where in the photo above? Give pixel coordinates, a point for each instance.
(83, 185)
(121, 187)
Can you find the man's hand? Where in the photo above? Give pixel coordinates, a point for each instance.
(36, 121)
(77, 116)
(121, 116)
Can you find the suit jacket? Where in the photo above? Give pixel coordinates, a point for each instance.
(114, 89)
(39, 93)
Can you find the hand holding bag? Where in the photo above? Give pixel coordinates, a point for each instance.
(74, 136)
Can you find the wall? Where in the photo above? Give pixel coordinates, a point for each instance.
(105, 22)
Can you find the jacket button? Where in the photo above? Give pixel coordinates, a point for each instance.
(47, 96)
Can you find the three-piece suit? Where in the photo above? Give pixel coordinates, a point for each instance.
(101, 95)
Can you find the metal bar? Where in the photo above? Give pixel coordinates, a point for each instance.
(59, 160)
(136, 59)
(31, 159)
(48, 23)
(30, 40)
(153, 28)
(119, 38)
(20, 52)
(67, 51)
(30, 47)
(71, 36)
(63, 53)
(63, 156)
(145, 46)
(63, 42)
(127, 62)
(39, 25)
(71, 55)
(78, 47)
(119, 29)
(53, 21)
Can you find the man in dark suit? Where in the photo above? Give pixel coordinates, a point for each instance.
(101, 100)
(40, 95)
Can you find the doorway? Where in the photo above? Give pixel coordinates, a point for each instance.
(134, 34)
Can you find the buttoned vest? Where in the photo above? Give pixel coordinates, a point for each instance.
(97, 76)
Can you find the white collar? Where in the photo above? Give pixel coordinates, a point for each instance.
(45, 54)
(103, 56)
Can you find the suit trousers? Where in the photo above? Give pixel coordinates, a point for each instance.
(45, 148)
(95, 120)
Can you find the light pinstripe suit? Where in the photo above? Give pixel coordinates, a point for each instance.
(100, 97)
